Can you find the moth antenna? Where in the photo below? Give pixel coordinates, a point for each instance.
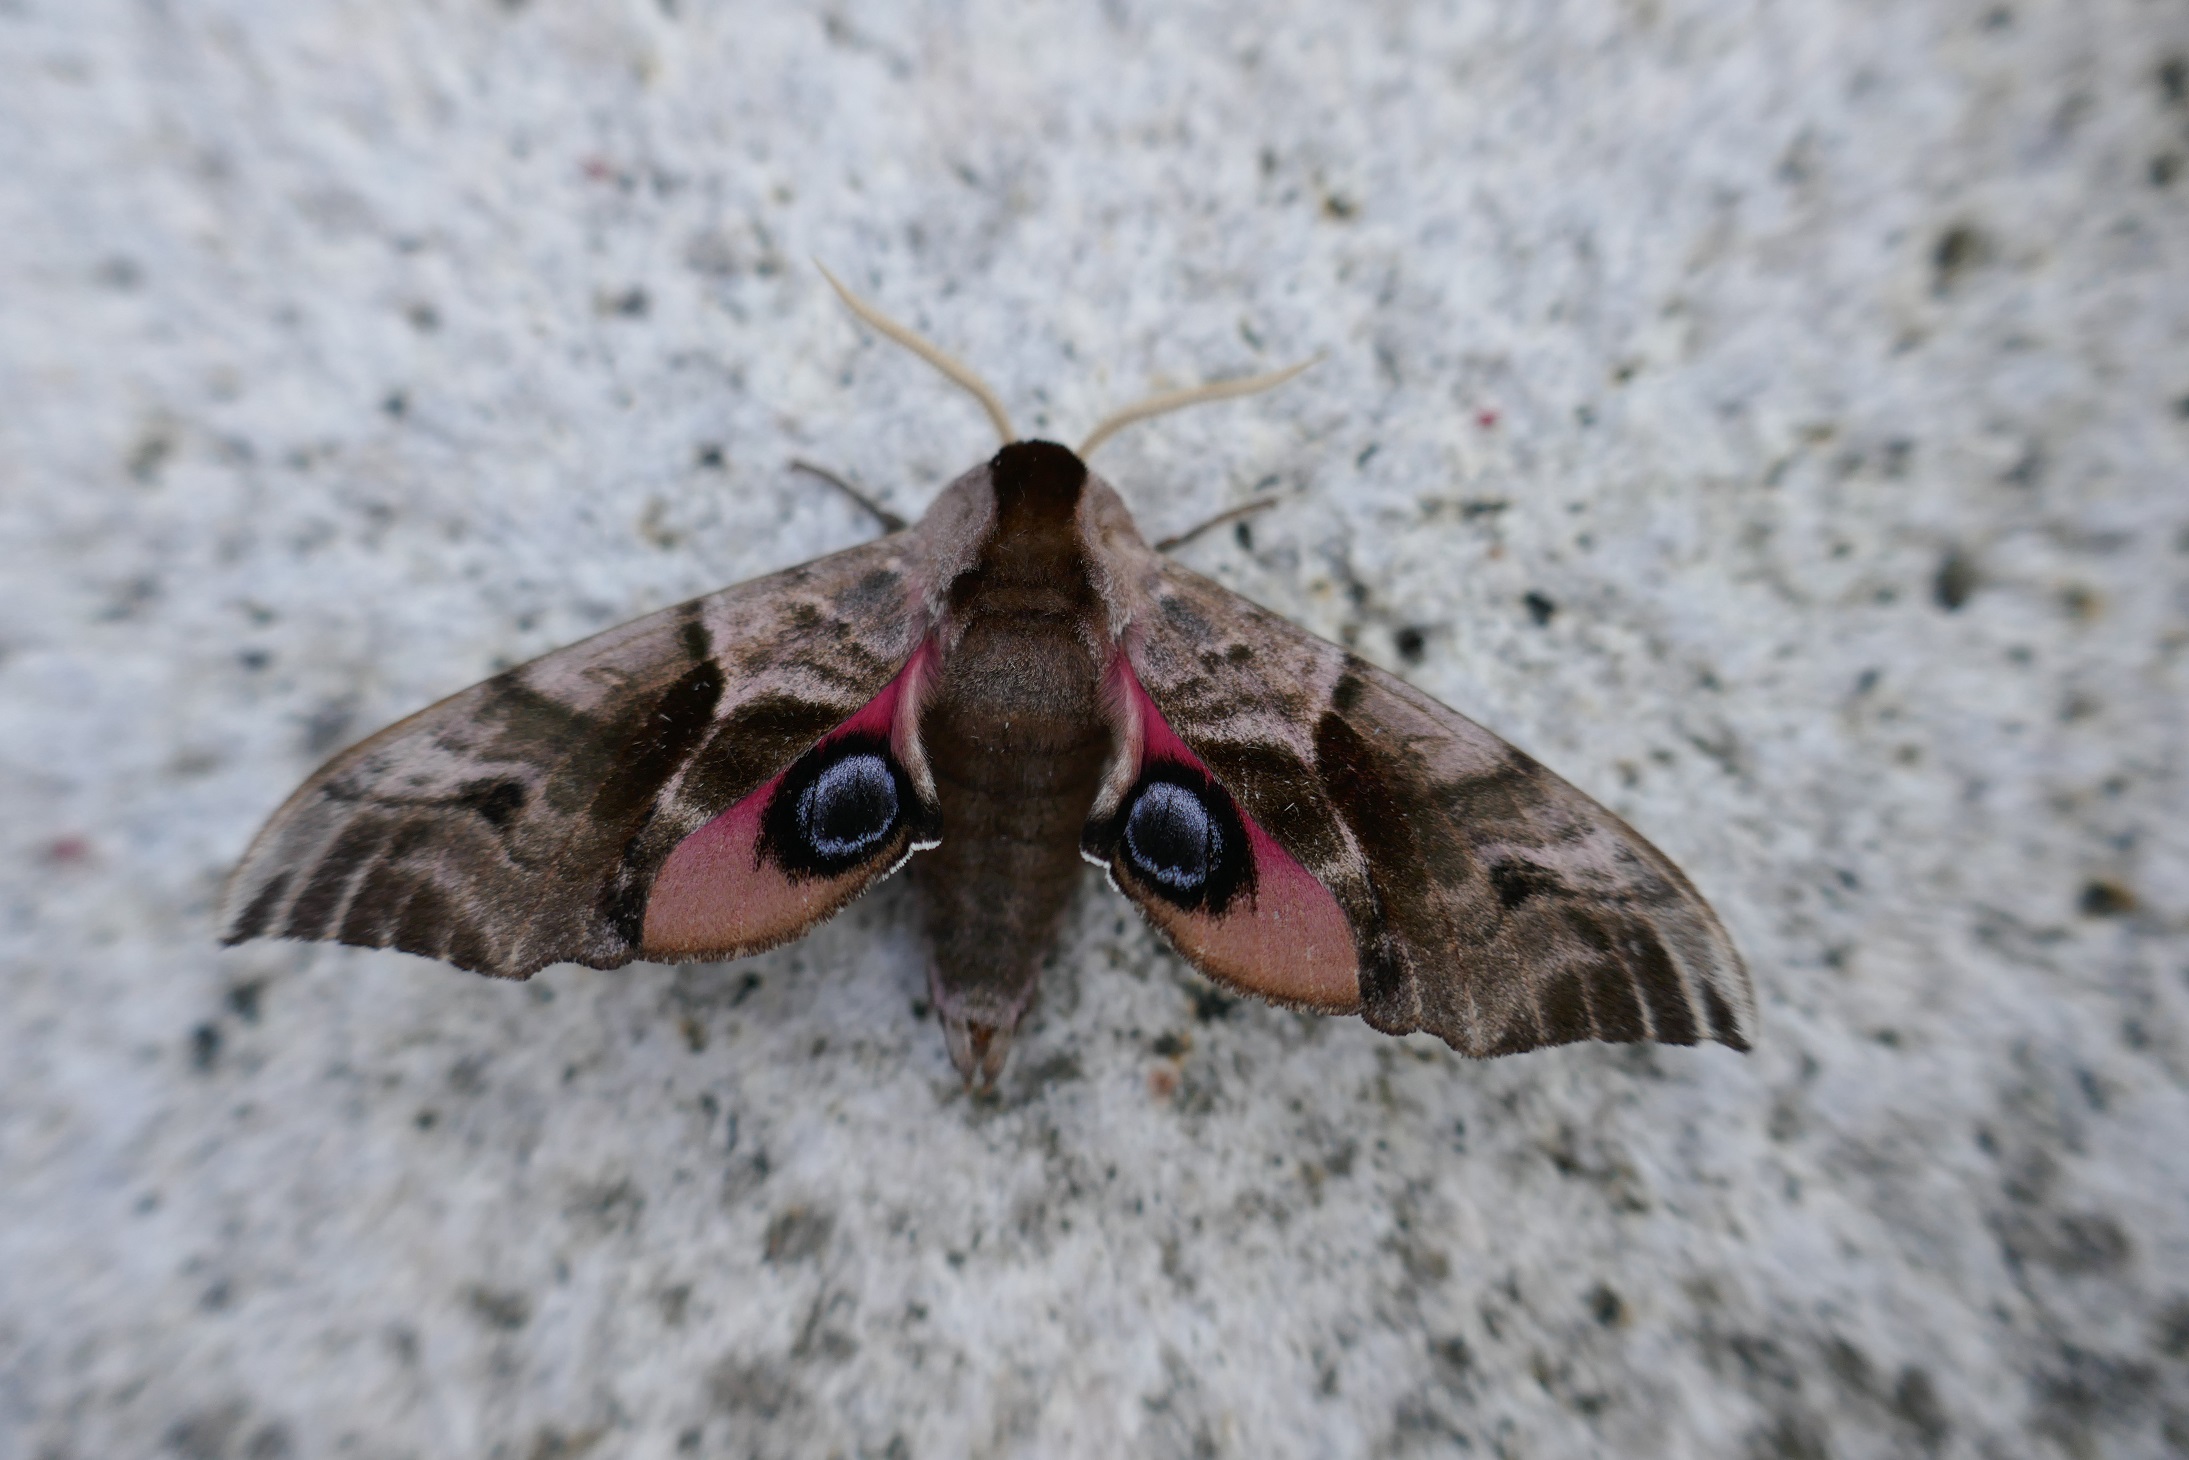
(1178, 400)
(959, 372)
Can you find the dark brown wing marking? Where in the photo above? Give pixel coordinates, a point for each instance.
(520, 822)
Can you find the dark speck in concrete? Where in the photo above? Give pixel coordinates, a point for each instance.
(1955, 580)
(210, 1433)
(1212, 1004)
(326, 726)
(797, 1233)
(1791, 1436)
(499, 1308)
(2170, 1329)
(1960, 250)
(738, 1387)
(150, 455)
(2081, 1394)
(2105, 899)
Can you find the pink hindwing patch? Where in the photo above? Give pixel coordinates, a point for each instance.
(812, 838)
(1219, 886)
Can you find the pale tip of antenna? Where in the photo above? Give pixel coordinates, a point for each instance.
(835, 283)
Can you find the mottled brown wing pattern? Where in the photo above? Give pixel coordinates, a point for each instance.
(520, 822)
(1518, 911)
(1492, 903)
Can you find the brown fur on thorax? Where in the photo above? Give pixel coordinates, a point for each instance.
(1017, 741)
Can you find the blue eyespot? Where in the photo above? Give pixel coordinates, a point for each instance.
(1172, 839)
(849, 809)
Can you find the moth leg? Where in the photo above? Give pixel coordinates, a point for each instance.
(890, 521)
(1233, 515)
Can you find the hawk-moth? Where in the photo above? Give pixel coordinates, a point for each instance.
(1014, 682)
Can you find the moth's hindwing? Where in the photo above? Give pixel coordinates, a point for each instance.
(1212, 879)
(805, 842)
(1489, 902)
(524, 821)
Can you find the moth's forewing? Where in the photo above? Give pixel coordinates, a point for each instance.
(1489, 902)
(522, 822)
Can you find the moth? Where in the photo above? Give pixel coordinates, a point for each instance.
(1013, 683)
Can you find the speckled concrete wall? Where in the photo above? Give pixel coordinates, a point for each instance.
(1776, 417)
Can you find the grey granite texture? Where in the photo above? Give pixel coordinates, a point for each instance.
(1775, 416)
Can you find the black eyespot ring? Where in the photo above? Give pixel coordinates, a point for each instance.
(1180, 836)
(838, 807)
